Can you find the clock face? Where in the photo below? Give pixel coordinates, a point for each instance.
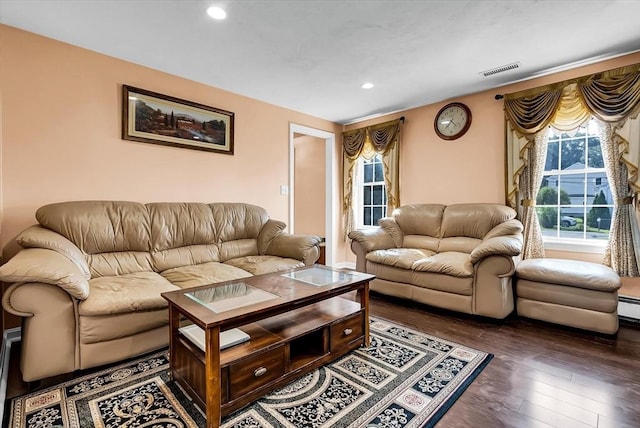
(452, 121)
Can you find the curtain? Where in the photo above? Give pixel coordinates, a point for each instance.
(530, 181)
(613, 97)
(365, 143)
(620, 253)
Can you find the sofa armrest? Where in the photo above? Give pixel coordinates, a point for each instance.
(299, 247)
(39, 237)
(49, 328)
(269, 231)
(510, 246)
(48, 267)
(372, 239)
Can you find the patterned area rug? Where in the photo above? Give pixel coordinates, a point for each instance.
(404, 379)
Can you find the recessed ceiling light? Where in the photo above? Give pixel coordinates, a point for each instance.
(367, 85)
(216, 12)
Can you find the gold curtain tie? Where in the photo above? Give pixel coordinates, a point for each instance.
(625, 201)
(528, 203)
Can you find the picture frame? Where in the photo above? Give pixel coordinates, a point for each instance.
(150, 117)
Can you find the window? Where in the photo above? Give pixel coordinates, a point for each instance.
(372, 193)
(574, 201)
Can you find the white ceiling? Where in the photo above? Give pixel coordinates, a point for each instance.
(312, 56)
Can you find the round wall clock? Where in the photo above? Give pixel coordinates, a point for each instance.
(452, 121)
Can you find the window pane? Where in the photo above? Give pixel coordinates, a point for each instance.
(571, 223)
(379, 176)
(595, 153)
(377, 195)
(573, 154)
(598, 222)
(548, 218)
(367, 216)
(553, 156)
(377, 214)
(548, 192)
(572, 189)
(368, 172)
(597, 183)
(366, 190)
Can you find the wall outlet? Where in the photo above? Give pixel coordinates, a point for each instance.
(284, 189)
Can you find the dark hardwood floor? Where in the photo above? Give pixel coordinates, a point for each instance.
(542, 375)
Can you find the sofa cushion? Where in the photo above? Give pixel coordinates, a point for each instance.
(133, 292)
(99, 226)
(473, 220)
(119, 263)
(238, 221)
(398, 257)
(238, 248)
(420, 219)
(258, 265)
(449, 263)
(460, 244)
(175, 224)
(421, 241)
(203, 274)
(95, 329)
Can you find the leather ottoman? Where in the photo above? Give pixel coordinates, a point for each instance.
(568, 292)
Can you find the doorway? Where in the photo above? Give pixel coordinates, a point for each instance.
(330, 227)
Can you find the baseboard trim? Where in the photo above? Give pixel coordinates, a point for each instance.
(8, 337)
(345, 265)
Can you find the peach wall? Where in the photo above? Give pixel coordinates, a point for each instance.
(61, 108)
(60, 111)
(472, 168)
(309, 185)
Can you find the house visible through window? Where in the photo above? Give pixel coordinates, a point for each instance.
(574, 200)
(372, 195)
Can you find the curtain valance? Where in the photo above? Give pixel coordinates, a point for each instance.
(366, 142)
(612, 96)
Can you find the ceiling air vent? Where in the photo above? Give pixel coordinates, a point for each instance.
(500, 69)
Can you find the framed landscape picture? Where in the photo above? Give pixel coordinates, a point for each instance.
(150, 117)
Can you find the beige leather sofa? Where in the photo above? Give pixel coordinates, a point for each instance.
(460, 257)
(89, 278)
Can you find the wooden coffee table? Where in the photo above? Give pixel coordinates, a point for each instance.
(297, 321)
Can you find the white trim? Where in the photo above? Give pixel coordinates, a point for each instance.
(331, 226)
(8, 337)
(345, 265)
(575, 246)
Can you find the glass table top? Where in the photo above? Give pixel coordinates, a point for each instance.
(319, 276)
(230, 296)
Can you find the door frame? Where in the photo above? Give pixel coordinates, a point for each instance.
(331, 229)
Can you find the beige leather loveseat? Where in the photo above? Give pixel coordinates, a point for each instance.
(460, 257)
(88, 282)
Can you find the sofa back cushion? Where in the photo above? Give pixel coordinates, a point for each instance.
(182, 234)
(113, 235)
(473, 220)
(419, 219)
(237, 227)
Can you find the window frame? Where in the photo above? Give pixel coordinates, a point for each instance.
(584, 244)
(359, 193)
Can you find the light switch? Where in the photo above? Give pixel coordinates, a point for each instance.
(284, 189)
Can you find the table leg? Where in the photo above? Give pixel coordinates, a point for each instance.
(212, 369)
(174, 325)
(363, 294)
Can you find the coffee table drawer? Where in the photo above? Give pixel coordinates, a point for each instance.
(251, 373)
(346, 331)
